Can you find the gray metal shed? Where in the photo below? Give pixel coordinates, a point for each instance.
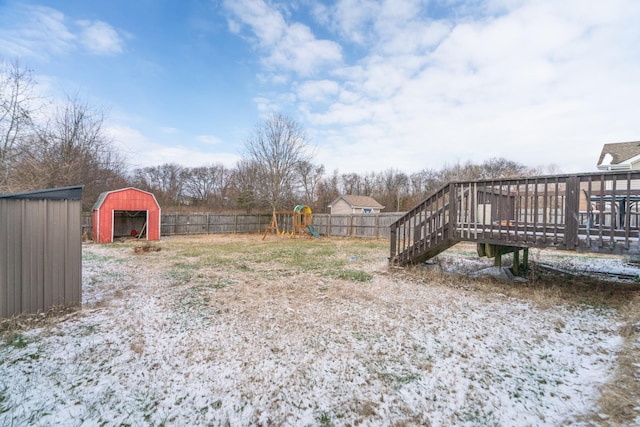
(40, 250)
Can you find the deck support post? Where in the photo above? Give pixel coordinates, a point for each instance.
(525, 260)
(497, 260)
(516, 261)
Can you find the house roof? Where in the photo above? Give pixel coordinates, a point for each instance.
(358, 201)
(618, 153)
(61, 193)
(103, 196)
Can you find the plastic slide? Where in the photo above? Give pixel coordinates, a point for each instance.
(313, 231)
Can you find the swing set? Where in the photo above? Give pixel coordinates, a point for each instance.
(292, 223)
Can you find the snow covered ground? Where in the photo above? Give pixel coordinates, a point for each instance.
(299, 332)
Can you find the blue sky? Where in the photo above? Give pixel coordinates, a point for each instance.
(403, 84)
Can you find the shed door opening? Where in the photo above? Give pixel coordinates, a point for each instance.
(130, 224)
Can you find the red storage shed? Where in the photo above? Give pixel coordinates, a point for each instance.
(124, 213)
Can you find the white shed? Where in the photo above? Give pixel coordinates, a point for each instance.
(348, 204)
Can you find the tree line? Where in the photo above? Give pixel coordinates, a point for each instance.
(46, 145)
(218, 188)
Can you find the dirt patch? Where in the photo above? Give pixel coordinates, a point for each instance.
(146, 248)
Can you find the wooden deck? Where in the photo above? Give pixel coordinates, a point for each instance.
(596, 212)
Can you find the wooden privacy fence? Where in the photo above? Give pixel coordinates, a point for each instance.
(365, 225)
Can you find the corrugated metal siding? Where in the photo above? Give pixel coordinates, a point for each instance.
(40, 255)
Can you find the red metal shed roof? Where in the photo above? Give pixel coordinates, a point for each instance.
(103, 196)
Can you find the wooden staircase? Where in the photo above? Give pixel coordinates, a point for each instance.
(425, 231)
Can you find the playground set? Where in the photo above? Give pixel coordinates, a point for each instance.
(292, 223)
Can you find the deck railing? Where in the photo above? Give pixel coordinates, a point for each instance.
(596, 212)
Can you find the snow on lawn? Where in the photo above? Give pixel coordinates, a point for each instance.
(167, 340)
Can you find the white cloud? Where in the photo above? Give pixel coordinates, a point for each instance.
(317, 90)
(266, 105)
(186, 156)
(100, 38)
(234, 26)
(34, 31)
(539, 83)
(209, 139)
(284, 47)
(169, 130)
(142, 150)
(40, 32)
(267, 23)
(299, 51)
(351, 19)
(128, 140)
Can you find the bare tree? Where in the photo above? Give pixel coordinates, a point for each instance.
(245, 178)
(351, 184)
(396, 186)
(276, 148)
(369, 183)
(165, 181)
(200, 183)
(72, 149)
(310, 176)
(327, 191)
(16, 114)
(207, 185)
(499, 167)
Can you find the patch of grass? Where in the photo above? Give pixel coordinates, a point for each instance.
(181, 273)
(619, 398)
(147, 401)
(293, 256)
(193, 298)
(242, 266)
(91, 257)
(114, 275)
(88, 329)
(477, 417)
(3, 399)
(220, 283)
(324, 419)
(397, 380)
(324, 251)
(191, 252)
(11, 326)
(17, 340)
(353, 275)
(195, 306)
(549, 288)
